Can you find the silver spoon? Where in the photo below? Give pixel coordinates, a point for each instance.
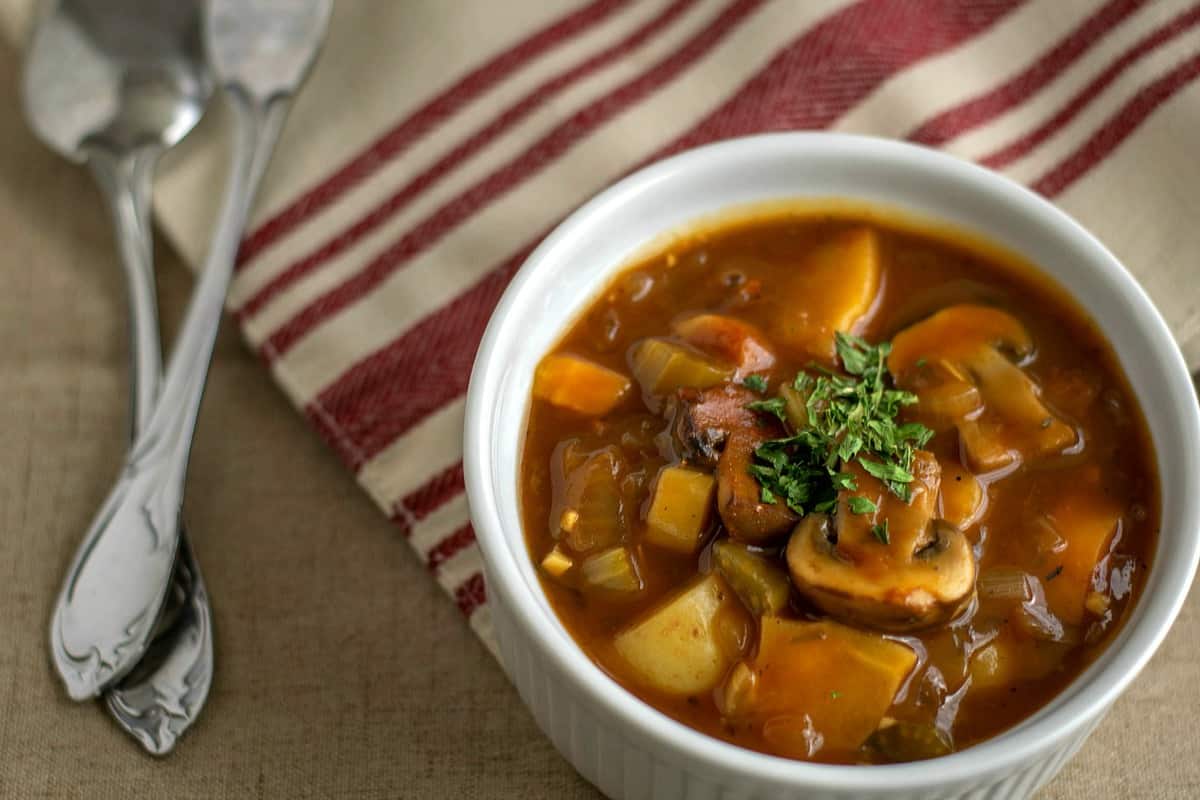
(115, 84)
(261, 51)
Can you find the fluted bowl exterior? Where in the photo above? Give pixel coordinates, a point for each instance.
(627, 748)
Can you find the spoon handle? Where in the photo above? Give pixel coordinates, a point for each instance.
(124, 180)
(161, 698)
(125, 183)
(114, 591)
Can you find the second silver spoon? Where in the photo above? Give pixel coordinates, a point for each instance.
(261, 51)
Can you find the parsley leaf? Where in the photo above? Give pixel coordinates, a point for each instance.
(755, 383)
(844, 480)
(851, 417)
(861, 505)
(773, 406)
(880, 532)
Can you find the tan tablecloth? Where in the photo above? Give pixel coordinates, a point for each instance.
(341, 671)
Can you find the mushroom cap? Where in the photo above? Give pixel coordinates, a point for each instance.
(955, 335)
(958, 363)
(921, 574)
(929, 589)
(739, 496)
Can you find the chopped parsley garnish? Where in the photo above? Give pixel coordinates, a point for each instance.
(773, 406)
(861, 505)
(755, 383)
(880, 532)
(851, 418)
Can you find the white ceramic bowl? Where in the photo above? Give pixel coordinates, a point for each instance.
(624, 746)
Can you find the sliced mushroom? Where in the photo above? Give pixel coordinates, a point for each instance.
(739, 497)
(1004, 422)
(920, 574)
(729, 339)
(704, 419)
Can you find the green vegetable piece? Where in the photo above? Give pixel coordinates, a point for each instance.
(661, 367)
(836, 419)
(774, 406)
(612, 569)
(755, 383)
(861, 505)
(761, 585)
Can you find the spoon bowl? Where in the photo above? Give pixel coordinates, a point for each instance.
(116, 75)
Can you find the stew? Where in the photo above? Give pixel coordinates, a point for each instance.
(837, 488)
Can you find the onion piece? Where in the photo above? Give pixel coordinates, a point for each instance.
(1005, 583)
(1040, 623)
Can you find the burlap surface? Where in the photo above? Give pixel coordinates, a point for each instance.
(342, 670)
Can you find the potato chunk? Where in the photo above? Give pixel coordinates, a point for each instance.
(833, 289)
(581, 385)
(680, 648)
(557, 563)
(822, 687)
(1005, 661)
(680, 508)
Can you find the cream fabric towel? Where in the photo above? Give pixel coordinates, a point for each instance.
(437, 142)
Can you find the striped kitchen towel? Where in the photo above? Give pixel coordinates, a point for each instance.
(437, 143)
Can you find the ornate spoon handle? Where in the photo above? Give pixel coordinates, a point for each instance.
(107, 609)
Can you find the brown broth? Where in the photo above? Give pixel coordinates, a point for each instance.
(715, 269)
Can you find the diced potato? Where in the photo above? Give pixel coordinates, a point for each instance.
(762, 586)
(613, 569)
(1087, 520)
(581, 385)
(823, 678)
(679, 648)
(680, 508)
(591, 515)
(661, 367)
(1005, 661)
(795, 407)
(729, 339)
(557, 563)
(833, 289)
(963, 499)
